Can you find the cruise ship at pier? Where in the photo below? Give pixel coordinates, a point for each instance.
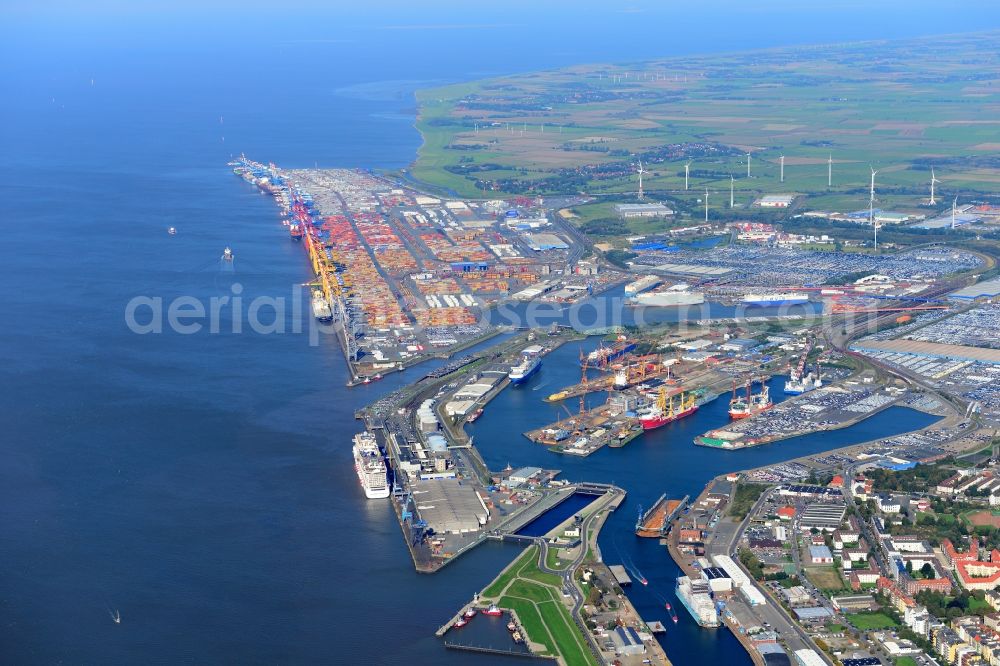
(370, 466)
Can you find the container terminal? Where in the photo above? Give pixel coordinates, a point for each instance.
(404, 276)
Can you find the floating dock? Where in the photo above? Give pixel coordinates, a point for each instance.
(621, 577)
(654, 523)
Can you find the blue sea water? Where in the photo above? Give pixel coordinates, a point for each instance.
(201, 484)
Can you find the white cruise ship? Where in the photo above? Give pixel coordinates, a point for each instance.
(370, 466)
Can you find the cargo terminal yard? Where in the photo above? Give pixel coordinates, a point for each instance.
(837, 404)
(448, 502)
(405, 276)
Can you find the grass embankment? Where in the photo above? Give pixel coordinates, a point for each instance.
(536, 597)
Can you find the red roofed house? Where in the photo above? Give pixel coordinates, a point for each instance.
(837, 481)
(954, 556)
(786, 512)
(972, 573)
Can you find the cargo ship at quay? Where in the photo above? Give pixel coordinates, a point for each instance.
(746, 405)
(664, 410)
(775, 299)
(531, 361)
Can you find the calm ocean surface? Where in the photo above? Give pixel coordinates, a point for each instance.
(202, 484)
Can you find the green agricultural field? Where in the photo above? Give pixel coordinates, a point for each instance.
(871, 621)
(901, 106)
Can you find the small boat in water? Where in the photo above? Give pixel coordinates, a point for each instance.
(511, 626)
(227, 255)
(493, 610)
(171, 231)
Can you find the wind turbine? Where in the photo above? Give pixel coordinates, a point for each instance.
(954, 205)
(640, 171)
(706, 204)
(871, 206)
(933, 180)
(732, 181)
(782, 160)
(748, 164)
(829, 171)
(687, 171)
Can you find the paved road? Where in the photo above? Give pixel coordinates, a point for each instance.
(566, 575)
(723, 542)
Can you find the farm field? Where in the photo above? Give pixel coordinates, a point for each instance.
(918, 103)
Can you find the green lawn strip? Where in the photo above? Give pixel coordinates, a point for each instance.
(531, 621)
(495, 588)
(555, 619)
(542, 577)
(552, 560)
(871, 621)
(565, 633)
(530, 590)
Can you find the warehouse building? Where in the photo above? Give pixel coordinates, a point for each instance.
(626, 211)
(540, 242)
(825, 517)
(775, 201)
(985, 289)
(448, 506)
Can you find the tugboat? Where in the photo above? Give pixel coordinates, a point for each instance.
(460, 623)
(469, 614)
(493, 611)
